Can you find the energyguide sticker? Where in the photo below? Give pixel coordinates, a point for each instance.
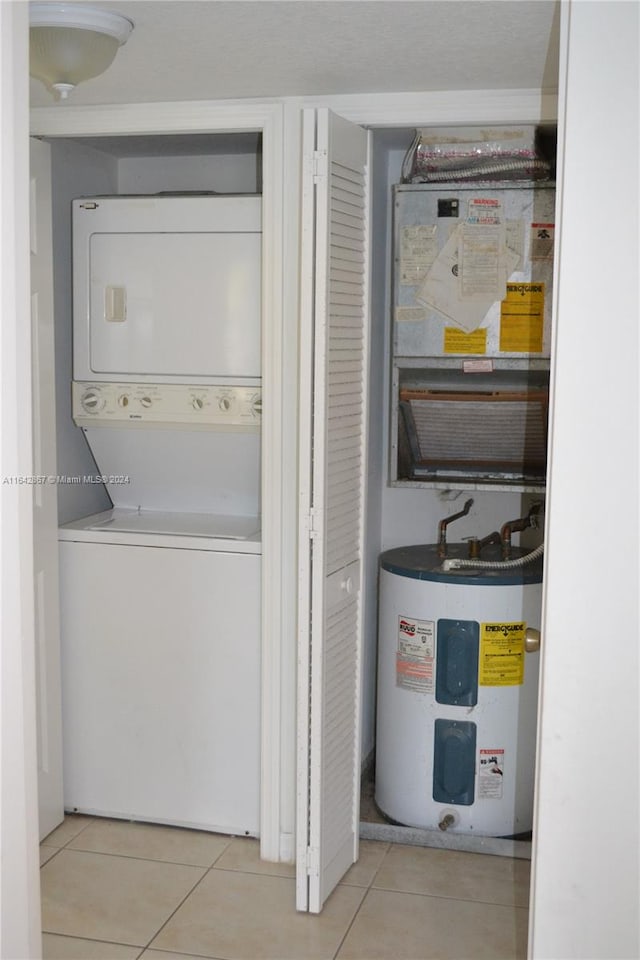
(502, 654)
(522, 318)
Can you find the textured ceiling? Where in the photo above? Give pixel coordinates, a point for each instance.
(221, 49)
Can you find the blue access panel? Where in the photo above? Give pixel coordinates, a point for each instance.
(454, 762)
(457, 662)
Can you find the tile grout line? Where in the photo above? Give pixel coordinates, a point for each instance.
(145, 946)
(440, 896)
(178, 953)
(81, 830)
(249, 872)
(132, 856)
(184, 900)
(366, 894)
(52, 857)
(76, 936)
(379, 867)
(174, 911)
(63, 846)
(70, 840)
(384, 890)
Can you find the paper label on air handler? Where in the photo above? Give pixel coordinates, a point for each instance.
(502, 654)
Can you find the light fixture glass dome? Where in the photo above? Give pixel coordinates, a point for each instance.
(70, 43)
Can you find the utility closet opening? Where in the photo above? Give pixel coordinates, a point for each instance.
(462, 239)
(157, 263)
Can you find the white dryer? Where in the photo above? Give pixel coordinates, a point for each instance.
(167, 289)
(160, 596)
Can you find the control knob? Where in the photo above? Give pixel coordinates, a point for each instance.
(225, 404)
(197, 403)
(91, 401)
(145, 402)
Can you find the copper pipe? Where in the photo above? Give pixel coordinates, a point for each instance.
(514, 526)
(490, 538)
(442, 528)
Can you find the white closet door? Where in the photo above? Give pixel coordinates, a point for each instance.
(45, 494)
(332, 439)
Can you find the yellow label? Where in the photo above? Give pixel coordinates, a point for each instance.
(501, 654)
(522, 318)
(457, 341)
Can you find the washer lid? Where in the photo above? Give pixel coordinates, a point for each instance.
(209, 525)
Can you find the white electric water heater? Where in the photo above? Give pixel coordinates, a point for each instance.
(457, 693)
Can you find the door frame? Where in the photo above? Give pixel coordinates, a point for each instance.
(280, 123)
(45, 496)
(20, 927)
(281, 221)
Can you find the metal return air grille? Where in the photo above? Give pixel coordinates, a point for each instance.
(484, 435)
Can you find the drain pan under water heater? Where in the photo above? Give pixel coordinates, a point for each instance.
(457, 693)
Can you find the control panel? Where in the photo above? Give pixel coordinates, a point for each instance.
(165, 403)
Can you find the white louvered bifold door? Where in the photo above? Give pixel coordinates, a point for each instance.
(332, 440)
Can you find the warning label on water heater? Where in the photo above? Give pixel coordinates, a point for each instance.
(501, 654)
(490, 774)
(415, 656)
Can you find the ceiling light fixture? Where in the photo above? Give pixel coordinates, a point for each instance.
(70, 43)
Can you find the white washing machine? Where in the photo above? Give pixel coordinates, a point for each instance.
(160, 595)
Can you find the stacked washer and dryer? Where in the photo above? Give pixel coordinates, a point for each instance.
(160, 595)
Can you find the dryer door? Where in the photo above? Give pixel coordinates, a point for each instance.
(167, 288)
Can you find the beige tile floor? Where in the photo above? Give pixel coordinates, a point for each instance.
(114, 890)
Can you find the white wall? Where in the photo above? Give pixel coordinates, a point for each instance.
(76, 171)
(585, 889)
(221, 173)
